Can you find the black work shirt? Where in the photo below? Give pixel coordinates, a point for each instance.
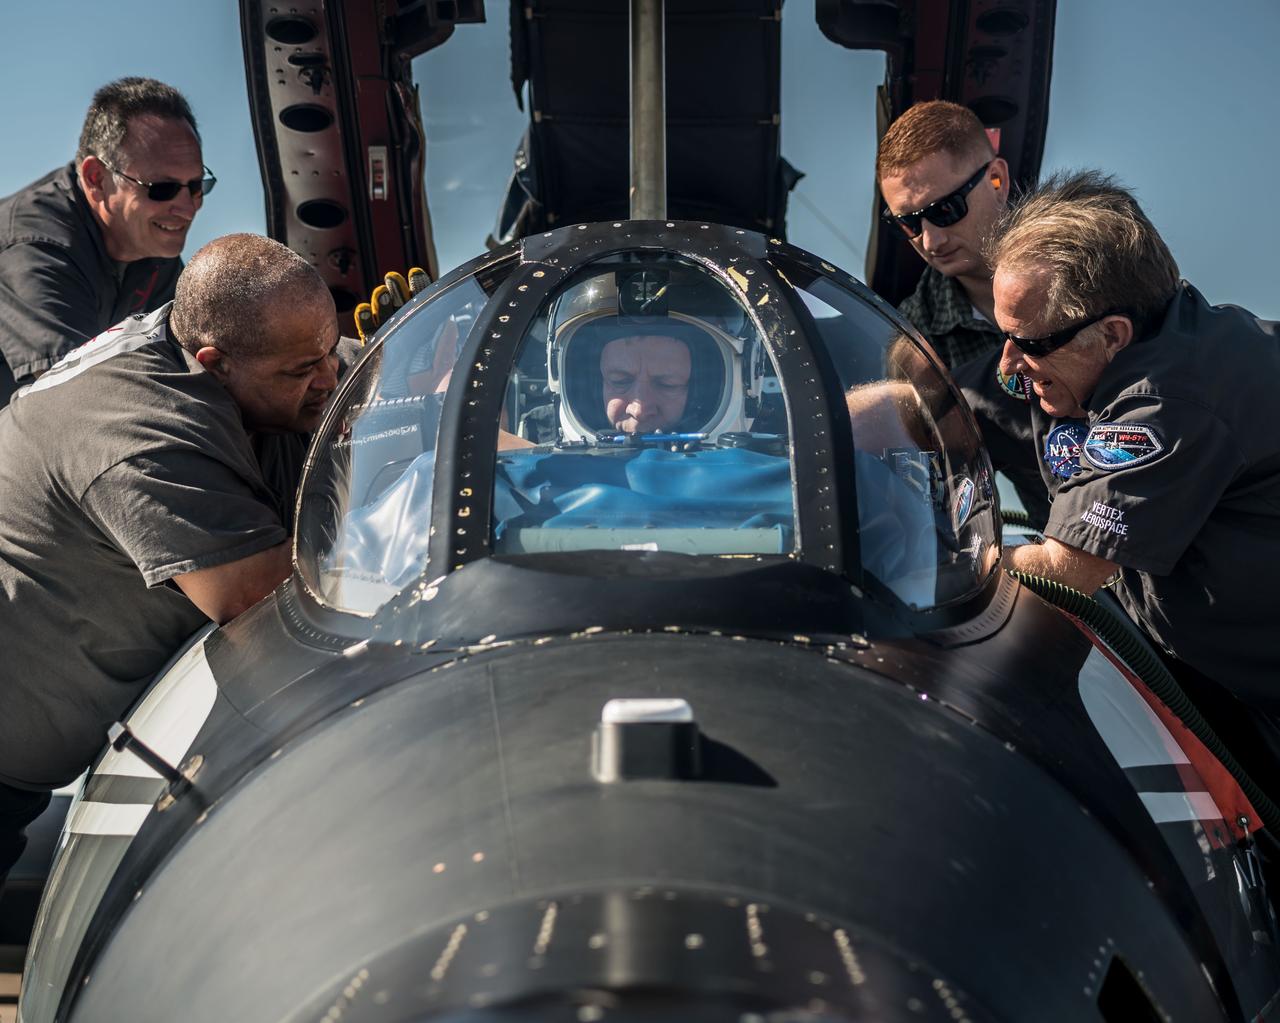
(58, 286)
(124, 465)
(1179, 484)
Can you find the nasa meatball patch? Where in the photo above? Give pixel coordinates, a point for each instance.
(1062, 448)
(1114, 446)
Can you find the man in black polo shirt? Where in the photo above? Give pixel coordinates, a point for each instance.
(99, 239)
(136, 506)
(1174, 485)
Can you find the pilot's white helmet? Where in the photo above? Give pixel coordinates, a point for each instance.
(681, 304)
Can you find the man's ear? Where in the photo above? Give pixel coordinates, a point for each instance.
(214, 361)
(93, 173)
(998, 175)
(1117, 334)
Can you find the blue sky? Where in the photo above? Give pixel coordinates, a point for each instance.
(1179, 98)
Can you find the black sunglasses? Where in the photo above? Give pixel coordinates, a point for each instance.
(1038, 347)
(941, 212)
(163, 191)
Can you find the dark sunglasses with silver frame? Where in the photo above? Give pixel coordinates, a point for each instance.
(944, 212)
(163, 191)
(1038, 347)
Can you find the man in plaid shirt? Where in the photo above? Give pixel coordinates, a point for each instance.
(943, 187)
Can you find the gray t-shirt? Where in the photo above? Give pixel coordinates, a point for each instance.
(1178, 482)
(125, 465)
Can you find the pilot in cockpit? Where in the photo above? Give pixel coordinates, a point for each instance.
(652, 353)
(646, 382)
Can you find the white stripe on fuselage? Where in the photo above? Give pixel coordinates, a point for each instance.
(171, 715)
(1137, 737)
(1130, 728)
(168, 720)
(120, 819)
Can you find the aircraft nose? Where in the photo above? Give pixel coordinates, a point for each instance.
(645, 955)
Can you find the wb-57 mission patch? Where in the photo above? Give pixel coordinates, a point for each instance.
(1113, 446)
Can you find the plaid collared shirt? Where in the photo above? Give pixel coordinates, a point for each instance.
(940, 309)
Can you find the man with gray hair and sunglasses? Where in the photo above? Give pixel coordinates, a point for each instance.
(99, 239)
(1174, 487)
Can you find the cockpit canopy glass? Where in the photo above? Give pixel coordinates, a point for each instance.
(365, 513)
(926, 505)
(643, 413)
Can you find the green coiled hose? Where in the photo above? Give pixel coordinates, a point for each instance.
(1148, 667)
(1015, 517)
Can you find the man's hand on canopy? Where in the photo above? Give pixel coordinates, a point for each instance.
(387, 297)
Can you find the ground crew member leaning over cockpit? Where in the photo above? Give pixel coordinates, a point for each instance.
(1177, 484)
(149, 481)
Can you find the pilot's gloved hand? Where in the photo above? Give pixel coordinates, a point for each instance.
(387, 297)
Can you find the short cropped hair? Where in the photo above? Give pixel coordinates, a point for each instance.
(1097, 246)
(229, 294)
(936, 126)
(106, 125)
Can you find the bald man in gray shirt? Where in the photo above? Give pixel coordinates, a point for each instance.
(136, 505)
